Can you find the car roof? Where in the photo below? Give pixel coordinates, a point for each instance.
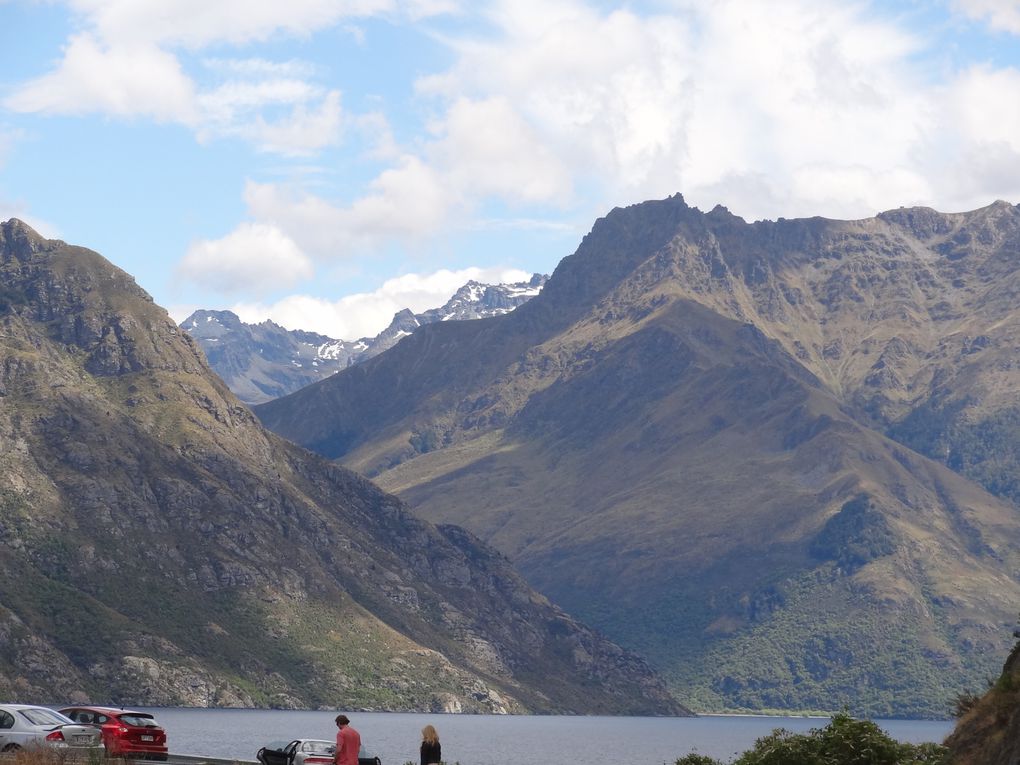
(107, 710)
(280, 744)
(25, 706)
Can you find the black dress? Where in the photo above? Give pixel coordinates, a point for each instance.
(431, 753)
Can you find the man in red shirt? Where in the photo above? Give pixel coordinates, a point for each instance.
(348, 742)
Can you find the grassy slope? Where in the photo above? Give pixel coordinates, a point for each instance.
(638, 531)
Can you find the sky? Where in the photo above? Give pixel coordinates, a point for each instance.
(326, 163)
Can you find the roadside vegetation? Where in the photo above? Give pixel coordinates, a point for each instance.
(844, 741)
(45, 755)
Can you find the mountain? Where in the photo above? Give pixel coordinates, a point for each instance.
(158, 546)
(260, 362)
(689, 439)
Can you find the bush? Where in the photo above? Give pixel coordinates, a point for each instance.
(964, 702)
(844, 741)
(697, 759)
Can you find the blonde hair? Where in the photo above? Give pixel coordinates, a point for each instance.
(429, 735)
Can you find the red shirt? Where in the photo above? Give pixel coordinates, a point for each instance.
(348, 743)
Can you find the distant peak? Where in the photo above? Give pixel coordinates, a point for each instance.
(16, 224)
(1001, 204)
(20, 237)
(721, 212)
(203, 316)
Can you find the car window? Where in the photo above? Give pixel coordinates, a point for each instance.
(139, 721)
(6, 720)
(40, 716)
(318, 746)
(101, 719)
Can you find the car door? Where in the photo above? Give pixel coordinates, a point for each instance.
(281, 756)
(6, 723)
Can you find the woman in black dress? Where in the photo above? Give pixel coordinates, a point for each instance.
(431, 752)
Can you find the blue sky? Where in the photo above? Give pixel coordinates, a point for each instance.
(327, 162)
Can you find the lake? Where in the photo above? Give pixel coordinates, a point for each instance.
(501, 739)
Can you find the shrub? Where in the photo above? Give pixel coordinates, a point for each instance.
(844, 741)
(697, 759)
(964, 702)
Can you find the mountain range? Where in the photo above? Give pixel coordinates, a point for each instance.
(158, 546)
(260, 362)
(779, 459)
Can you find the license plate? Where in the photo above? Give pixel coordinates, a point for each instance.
(82, 739)
(148, 738)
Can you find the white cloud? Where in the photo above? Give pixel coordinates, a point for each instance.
(304, 131)
(704, 100)
(198, 23)
(123, 65)
(222, 104)
(254, 257)
(366, 314)
(985, 106)
(260, 67)
(125, 80)
(140, 80)
(487, 148)
(238, 108)
(378, 134)
(406, 202)
(981, 128)
(1001, 15)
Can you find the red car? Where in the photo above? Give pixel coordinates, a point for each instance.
(125, 732)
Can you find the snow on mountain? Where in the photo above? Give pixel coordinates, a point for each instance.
(263, 361)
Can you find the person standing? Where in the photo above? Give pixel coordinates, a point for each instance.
(348, 742)
(431, 752)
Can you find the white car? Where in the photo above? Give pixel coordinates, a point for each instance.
(306, 751)
(23, 726)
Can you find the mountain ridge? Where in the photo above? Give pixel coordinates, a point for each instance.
(649, 431)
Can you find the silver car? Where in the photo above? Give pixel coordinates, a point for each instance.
(23, 726)
(307, 751)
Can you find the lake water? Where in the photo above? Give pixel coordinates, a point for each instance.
(498, 739)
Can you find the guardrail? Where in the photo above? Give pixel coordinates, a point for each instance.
(172, 759)
(197, 759)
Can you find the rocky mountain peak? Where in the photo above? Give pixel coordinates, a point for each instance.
(202, 321)
(18, 239)
(89, 304)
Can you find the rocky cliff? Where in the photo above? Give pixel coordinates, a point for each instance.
(989, 732)
(158, 546)
(697, 438)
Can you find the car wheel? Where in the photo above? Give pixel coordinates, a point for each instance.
(11, 748)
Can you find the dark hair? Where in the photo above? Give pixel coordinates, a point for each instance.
(342, 720)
